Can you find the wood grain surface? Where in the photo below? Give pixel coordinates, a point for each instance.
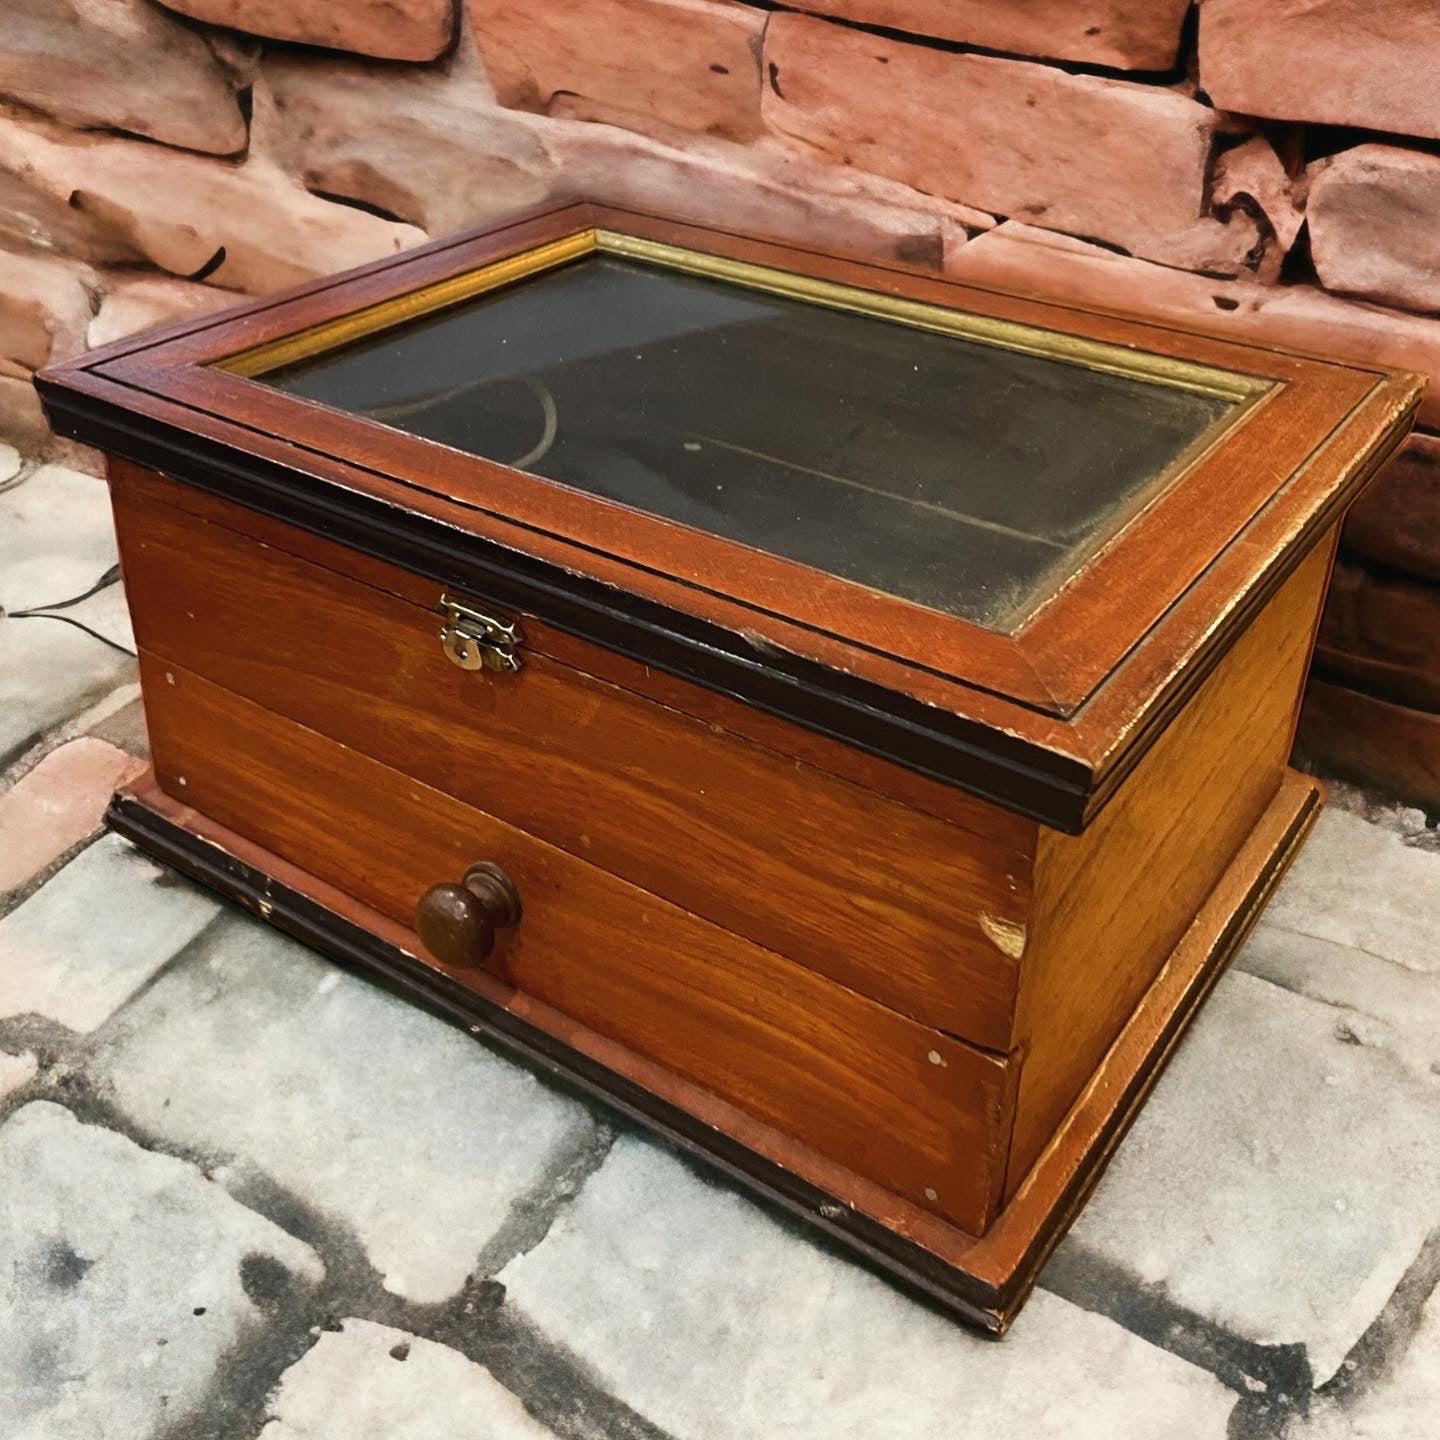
(1111, 904)
(905, 1106)
(889, 901)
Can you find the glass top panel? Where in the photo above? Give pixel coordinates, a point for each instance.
(962, 476)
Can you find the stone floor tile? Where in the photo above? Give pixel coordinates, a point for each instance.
(1362, 885)
(378, 1115)
(123, 1280)
(125, 729)
(1404, 1404)
(16, 1071)
(1375, 1002)
(101, 718)
(49, 672)
(698, 1310)
(1280, 1180)
(55, 806)
(94, 933)
(369, 1382)
(56, 538)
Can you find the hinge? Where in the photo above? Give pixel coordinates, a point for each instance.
(476, 641)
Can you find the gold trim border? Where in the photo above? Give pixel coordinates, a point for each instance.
(920, 315)
(385, 314)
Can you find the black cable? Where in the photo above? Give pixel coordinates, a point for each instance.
(70, 620)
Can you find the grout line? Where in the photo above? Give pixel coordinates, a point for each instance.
(533, 1213)
(12, 900)
(19, 761)
(1387, 1339)
(1273, 1381)
(553, 1385)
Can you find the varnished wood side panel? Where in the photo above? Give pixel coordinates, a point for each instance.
(907, 1107)
(1111, 904)
(894, 903)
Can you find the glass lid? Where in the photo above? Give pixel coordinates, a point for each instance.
(961, 474)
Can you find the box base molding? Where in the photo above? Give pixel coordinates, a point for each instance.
(981, 1280)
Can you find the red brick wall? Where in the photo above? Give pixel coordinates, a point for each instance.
(1267, 168)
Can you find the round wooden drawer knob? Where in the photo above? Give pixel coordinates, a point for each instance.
(457, 923)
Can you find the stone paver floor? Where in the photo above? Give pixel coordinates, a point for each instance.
(244, 1193)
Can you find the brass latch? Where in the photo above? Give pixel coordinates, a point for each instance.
(475, 641)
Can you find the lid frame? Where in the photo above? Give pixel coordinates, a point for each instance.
(1063, 695)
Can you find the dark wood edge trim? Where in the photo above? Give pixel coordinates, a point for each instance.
(986, 762)
(989, 1285)
(209, 863)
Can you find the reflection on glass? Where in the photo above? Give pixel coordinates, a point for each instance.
(955, 474)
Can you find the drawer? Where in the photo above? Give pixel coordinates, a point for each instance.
(912, 910)
(916, 1111)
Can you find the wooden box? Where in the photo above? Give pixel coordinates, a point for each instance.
(836, 715)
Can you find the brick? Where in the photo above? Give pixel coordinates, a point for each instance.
(1372, 742)
(120, 65)
(1362, 886)
(16, 1071)
(250, 227)
(646, 64)
(1374, 214)
(133, 303)
(384, 1120)
(123, 1281)
(387, 29)
(45, 306)
(1343, 62)
(736, 1326)
(1251, 177)
(439, 154)
(763, 189)
(1401, 1404)
(56, 538)
(50, 672)
(1396, 522)
(1123, 162)
(1122, 34)
(92, 935)
(1381, 634)
(57, 805)
(432, 149)
(365, 1381)
(22, 419)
